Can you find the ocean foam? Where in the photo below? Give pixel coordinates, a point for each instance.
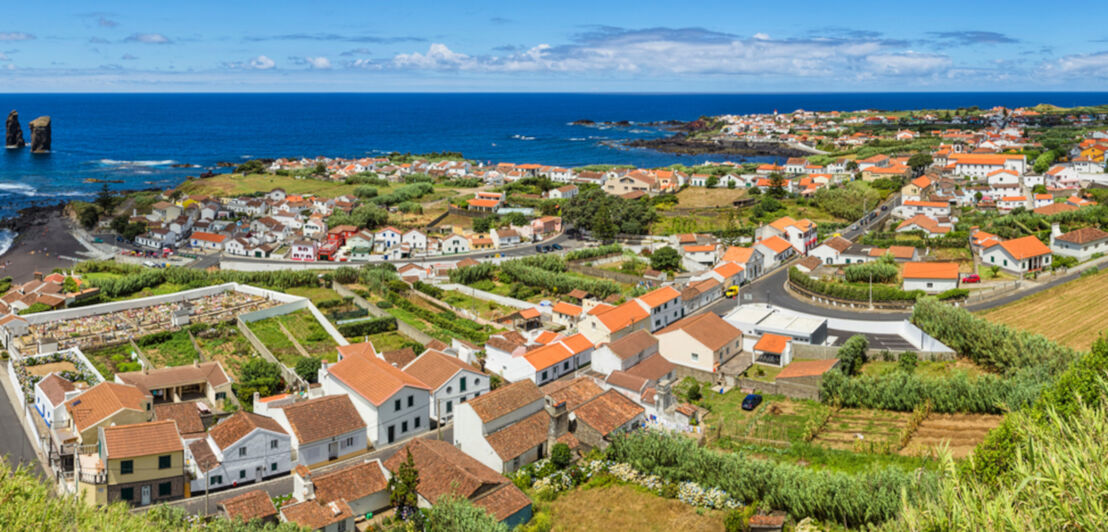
(113, 162)
(18, 188)
(6, 239)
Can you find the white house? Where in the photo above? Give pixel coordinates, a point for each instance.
(241, 449)
(701, 343)
(364, 486)
(207, 241)
(504, 429)
(393, 404)
(801, 234)
(324, 429)
(51, 394)
(1019, 256)
(566, 314)
(416, 239)
(931, 277)
(1080, 244)
(455, 244)
(830, 251)
(663, 305)
(551, 361)
(388, 238)
(452, 382)
(302, 250)
(505, 237)
(566, 192)
(624, 353)
(775, 251)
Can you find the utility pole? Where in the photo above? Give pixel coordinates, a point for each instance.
(871, 289)
(207, 491)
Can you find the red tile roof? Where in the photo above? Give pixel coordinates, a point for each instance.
(141, 439)
(807, 368)
(772, 343)
(372, 378)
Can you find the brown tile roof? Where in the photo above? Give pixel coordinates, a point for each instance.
(521, 436)
(350, 483)
(626, 381)
(807, 368)
(809, 263)
(186, 415)
(633, 344)
(1083, 235)
(1055, 208)
(323, 417)
(505, 400)
(503, 344)
(55, 388)
(573, 392)
(652, 368)
(203, 455)
(313, 515)
(399, 357)
(437, 345)
(435, 368)
(503, 502)
(251, 505)
(358, 349)
(608, 412)
(209, 372)
(444, 469)
(578, 294)
(707, 328)
(372, 378)
(141, 439)
(103, 400)
(241, 424)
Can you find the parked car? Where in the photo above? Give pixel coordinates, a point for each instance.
(539, 249)
(750, 402)
(972, 278)
(546, 249)
(884, 207)
(556, 246)
(732, 291)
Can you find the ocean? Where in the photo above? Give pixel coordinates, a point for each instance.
(137, 138)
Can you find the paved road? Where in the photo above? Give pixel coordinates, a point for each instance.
(283, 485)
(15, 441)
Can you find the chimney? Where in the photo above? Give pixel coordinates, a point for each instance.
(196, 362)
(559, 422)
(145, 369)
(323, 372)
(38, 276)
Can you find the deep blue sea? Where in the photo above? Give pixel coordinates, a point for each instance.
(136, 137)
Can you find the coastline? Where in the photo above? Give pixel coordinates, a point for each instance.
(43, 238)
(683, 145)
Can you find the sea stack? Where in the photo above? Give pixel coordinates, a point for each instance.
(14, 139)
(40, 135)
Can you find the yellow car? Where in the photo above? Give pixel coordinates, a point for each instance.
(732, 291)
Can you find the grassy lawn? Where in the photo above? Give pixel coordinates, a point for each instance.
(177, 351)
(158, 290)
(952, 254)
(100, 276)
(762, 373)
(226, 185)
(485, 309)
(388, 341)
(700, 197)
(108, 360)
(306, 329)
(777, 418)
(621, 507)
(226, 345)
(1073, 313)
(315, 293)
(271, 336)
(945, 368)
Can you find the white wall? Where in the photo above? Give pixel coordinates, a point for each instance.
(476, 384)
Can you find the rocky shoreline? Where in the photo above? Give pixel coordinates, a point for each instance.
(682, 144)
(34, 215)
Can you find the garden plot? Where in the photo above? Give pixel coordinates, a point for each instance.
(177, 350)
(113, 359)
(226, 345)
(869, 426)
(959, 432)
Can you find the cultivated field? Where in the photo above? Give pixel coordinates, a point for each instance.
(619, 507)
(700, 197)
(868, 426)
(960, 432)
(1072, 314)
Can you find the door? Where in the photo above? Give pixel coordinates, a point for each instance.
(258, 473)
(392, 433)
(333, 450)
(145, 495)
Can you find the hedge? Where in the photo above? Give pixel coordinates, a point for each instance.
(862, 293)
(367, 327)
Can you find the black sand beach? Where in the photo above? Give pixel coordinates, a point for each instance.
(43, 240)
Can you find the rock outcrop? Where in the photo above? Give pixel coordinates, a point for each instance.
(40, 135)
(14, 138)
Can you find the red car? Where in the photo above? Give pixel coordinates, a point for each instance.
(972, 278)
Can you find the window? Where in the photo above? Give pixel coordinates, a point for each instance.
(219, 396)
(242, 474)
(411, 401)
(476, 382)
(242, 451)
(342, 526)
(273, 444)
(462, 385)
(565, 366)
(417, 422)
(127, 494)
(165, 489)
(126, 467)
(929, 285)
(403, 427)
(350, 441)
(695, 357)
(217, 479)
(396, 405)
(165, 461)
(273, 466)
(449, 389)
(449, 406)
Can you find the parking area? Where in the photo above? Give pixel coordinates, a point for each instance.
(891, 342)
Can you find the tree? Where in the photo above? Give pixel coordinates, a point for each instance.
(119, 223)
(403, 486)
(104, 198)
(320, 169)
(602, 226)
(89, 216)
(69, 285)
(1039, 189)
(259, 375)
(853, 354)
(693, 394)
(731, 184)
(776, 185)
(712, 182)
(908, 362)
(457, 514)
(560, 455)
(920, 161)
(1043, 162)
(665, 259)
(308, 368)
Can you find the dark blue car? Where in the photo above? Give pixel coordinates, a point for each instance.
(750, 402)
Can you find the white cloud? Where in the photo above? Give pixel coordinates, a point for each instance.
(148, 38)
(16, 36)
(321, 63)
(908, 63)
(438, 56)
(761, 36)
(1090, 65)
(262, 63)
(4, 57)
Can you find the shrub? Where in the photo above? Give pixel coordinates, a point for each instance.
(367, 327)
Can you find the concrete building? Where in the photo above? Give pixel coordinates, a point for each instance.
(931, 277)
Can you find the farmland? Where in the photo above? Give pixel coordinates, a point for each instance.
(700, 197)
(960, 432)
(870, 427)
(177, 350)
(1073, 314)
(620, 507)
(226, 345)
(777, 419)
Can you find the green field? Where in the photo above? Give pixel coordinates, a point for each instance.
(176, 351)
(111, 360)
(226, 345)
(314, 293)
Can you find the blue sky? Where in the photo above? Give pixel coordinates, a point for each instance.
(525, 45)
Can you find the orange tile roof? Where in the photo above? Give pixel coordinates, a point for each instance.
(659, 296)
(578, 343)
(102, 401)
(922, 182)
(529, 313)
(435, 368)
(728, 269)
(562, 307)
(776, 244)
(698, 249)
(772, 343)
(625, 315)
(902, 252)
(372, 378)
(483, 202)
(937, 204)
(739, 255)
(930, 270)
(141, 439)
(986, 159)
(1025, 247)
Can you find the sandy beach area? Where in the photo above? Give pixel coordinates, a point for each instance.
(40, 246)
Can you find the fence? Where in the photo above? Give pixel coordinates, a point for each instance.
(401, 326)
(788, 389)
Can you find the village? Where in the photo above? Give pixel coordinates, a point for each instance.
(466, 320)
